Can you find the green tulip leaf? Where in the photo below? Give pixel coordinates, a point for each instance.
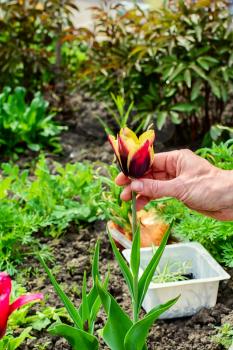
(135, 253)
(136, 337)
(148, 273)
(95, 262)
(118, 322)
(73, 312)
(123, 265)
(85, 305)
(92, 302)
(78, 339)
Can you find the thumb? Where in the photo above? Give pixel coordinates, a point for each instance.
(155, 188)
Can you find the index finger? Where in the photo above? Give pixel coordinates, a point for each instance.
(122, 180)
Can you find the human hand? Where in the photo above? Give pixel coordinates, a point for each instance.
(187, 177)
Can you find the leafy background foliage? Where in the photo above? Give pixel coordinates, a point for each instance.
(47, 203)
(175, 63)
(31, 37)
(23, 124)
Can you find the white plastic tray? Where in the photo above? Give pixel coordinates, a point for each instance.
(194, 294)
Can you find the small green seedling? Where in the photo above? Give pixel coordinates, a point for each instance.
(173, 272)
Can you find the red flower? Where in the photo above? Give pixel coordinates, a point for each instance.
(135, 155)
(6, 308)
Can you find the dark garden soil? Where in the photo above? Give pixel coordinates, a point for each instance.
(72, 256)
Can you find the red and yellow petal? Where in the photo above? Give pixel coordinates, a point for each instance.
(123, 154)
(130, 139)
(135, 155)
(140, 161)
(147, 135)
(128, 134)
(114, 143)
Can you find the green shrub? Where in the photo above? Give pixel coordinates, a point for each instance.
(23, 124)
(46, 203)
(32, 34)
(176, 63)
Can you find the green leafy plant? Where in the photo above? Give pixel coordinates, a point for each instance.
(130, 334)
(220, 132)
(23, 124)
(111, 205)
(119, 332)
(224, 336)
(12, 343)
(175, 63)
(38, 321)
(26, 321)
(48, 202)
(80, 335)
(73, 55)
(220, 155)
(120, 117)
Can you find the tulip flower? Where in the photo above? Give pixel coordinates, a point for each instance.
(6, 308)
(135, 155)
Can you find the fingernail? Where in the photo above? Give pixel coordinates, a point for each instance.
(137, 186)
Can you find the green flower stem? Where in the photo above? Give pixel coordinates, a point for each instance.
(135, 302)
(134, 214)
(135, 278)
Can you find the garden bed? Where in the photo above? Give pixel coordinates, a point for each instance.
(72, 257)
(62, 91)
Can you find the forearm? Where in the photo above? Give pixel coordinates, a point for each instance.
(224, 193)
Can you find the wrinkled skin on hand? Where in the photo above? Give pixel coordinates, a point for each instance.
(187, 177)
